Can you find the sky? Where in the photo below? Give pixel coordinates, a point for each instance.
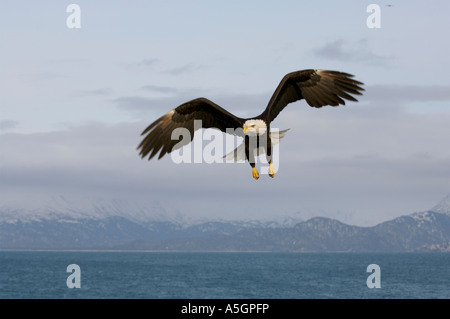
(74, 101)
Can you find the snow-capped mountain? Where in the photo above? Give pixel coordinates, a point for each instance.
(63, 223)
(63, 208)
(119, 224)
(443, 206)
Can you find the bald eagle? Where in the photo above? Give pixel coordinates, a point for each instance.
(317, 87)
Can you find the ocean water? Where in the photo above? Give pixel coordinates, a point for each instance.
(152, 275)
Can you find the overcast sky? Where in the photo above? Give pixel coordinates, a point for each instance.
(73, 103)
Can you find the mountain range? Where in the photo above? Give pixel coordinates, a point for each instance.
(118, 226)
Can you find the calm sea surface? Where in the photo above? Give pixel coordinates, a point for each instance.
(223, 275)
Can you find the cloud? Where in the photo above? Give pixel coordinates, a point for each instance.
(172, 70)
(6, 125)
(133, 102)
(185, 93)
(142, 107)
(342, 50)
(148, 62)
(408, 93)
(95, 92)
(187, 68)
(96, 159)
(159, 89)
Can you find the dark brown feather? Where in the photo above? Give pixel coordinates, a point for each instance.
(159, 134)
(317, 87)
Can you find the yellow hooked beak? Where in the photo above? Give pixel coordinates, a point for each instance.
(245, 128)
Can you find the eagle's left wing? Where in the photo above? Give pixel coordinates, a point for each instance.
(317, 87)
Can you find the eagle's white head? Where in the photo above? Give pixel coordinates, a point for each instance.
(255, 127)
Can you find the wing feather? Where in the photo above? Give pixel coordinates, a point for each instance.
(317, 87)
(159, 133)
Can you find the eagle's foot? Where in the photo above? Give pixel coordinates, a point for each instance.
(271, 171)
(255, 173)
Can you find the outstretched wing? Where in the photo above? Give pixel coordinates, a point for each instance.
(317, 87)
(159, 133)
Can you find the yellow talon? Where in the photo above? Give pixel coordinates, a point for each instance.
(271, 171)
(255, 173)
